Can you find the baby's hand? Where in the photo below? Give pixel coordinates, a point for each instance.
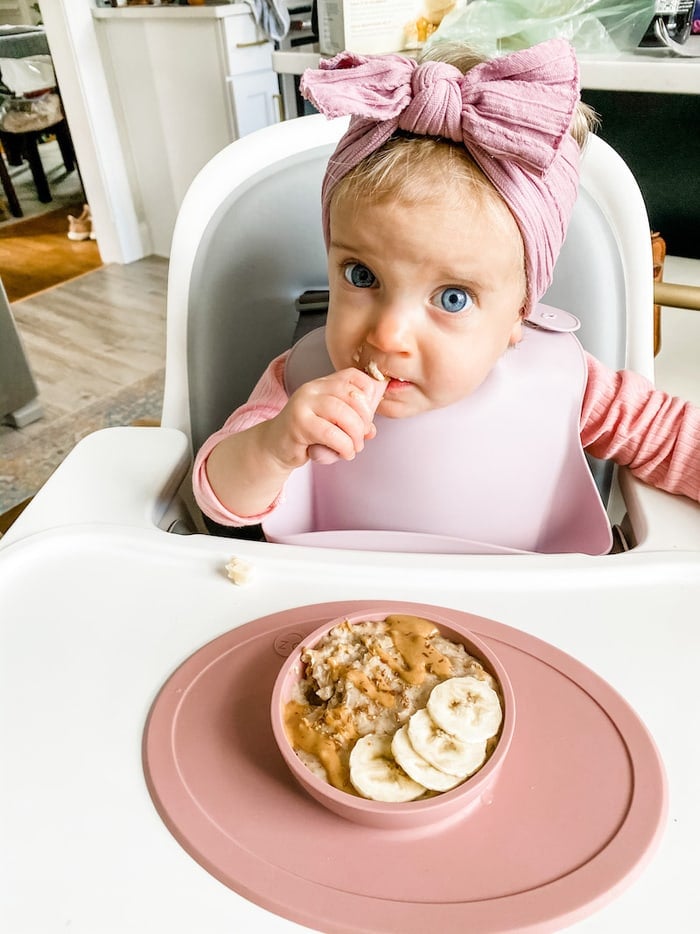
(328, 418)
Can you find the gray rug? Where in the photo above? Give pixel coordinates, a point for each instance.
(28, 458)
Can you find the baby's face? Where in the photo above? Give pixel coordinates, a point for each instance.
(431, 293)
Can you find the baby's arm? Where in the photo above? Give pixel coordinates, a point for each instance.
(655, 434)
(241, 470)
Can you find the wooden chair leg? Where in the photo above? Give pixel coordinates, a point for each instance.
(12, 144)
(658, 251)
(9, 189)
(31, 148)
(65, 144)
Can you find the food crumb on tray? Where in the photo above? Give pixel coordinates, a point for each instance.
(239, 571)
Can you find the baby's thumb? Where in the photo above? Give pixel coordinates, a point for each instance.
(320, 454)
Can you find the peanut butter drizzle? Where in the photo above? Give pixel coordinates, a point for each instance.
(302, 735)
(365, 684)
(411, 635)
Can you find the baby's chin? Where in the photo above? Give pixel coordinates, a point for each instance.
(414, 401)
(393, 407)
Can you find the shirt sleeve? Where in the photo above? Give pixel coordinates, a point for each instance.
(654, 434)
(267, 400)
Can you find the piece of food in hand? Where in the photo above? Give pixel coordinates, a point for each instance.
(374, 371)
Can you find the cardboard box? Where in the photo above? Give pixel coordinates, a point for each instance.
(369, 27)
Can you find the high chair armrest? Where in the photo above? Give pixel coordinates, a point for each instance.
(658, 521)
(120, 476)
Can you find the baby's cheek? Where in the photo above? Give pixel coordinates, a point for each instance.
(458, 380)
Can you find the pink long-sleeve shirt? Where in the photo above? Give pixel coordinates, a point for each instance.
(623, 419)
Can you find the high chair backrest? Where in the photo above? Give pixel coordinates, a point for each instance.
(248, 242)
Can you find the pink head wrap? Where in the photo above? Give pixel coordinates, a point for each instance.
(513, 115)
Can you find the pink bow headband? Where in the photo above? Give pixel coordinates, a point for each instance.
(513, 115)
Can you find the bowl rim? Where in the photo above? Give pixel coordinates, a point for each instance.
(473, 783)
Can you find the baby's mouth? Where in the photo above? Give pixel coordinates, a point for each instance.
(372, 368)
(396, 384)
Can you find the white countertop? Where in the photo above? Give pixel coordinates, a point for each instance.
(147, 12)
(644, 70)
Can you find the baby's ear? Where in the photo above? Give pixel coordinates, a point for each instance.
(516, 334)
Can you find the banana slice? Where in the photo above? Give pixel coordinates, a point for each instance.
(442, 750)
(375, 774)
(467, 708)
(416, 767)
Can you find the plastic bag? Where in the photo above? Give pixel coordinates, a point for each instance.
(28, 75)
(592, 26)
(23, 114)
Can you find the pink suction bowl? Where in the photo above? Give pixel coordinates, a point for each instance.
(429, 812)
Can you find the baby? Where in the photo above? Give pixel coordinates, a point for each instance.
(445, 206)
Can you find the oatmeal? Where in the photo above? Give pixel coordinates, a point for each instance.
(368, 679)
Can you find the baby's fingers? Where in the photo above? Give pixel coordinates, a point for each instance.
(341, 429)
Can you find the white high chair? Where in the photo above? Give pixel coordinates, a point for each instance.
(99, 606)
(248, 243)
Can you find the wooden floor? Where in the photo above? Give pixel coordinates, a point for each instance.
(96, 347)
(36, 253)
(95, 334)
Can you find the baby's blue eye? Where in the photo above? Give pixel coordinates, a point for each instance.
(453, 299)
(359, 276)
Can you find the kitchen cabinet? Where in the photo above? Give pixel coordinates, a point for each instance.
(184, 82)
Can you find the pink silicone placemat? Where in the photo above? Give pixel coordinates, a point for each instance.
(575, 814)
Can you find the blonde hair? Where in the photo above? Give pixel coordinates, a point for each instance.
(412, 168)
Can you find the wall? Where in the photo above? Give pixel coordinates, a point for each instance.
(122, 235)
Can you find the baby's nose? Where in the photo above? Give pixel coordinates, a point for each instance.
(391, 330)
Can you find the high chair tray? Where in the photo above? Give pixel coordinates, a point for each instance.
(94, 620)
(574, 815)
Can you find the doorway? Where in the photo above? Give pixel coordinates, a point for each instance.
(42, 186)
